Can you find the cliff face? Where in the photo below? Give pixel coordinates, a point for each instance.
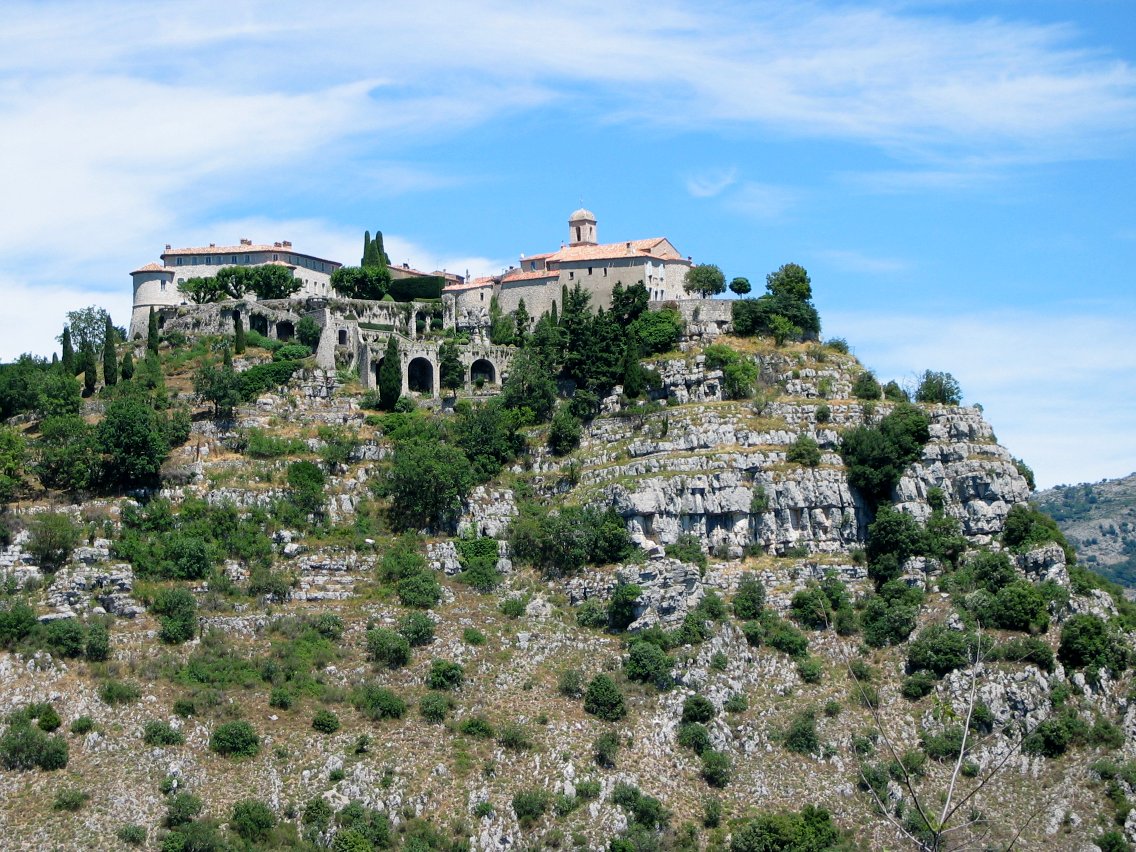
(694, 464)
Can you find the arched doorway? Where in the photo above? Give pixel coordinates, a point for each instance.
(420, 376)
(376, 366)
(482, 373)
(259, 324)
(342, 337)
(285, 331)
(421, 323)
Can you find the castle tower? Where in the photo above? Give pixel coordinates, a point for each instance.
(582, 228)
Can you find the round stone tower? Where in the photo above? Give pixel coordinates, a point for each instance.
(582, 228)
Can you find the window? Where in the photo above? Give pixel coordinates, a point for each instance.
(577, 233)
(233, 259)
(208, 260)
(605, 272)
(275, 257)
(246, 258)
(179, 261)
(163, 286)
(589, 270)
(571, 275)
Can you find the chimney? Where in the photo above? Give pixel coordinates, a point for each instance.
(629, 245)
(287, 244)
(245, 242)
(276, 245)
(212, 245)
(167, 246)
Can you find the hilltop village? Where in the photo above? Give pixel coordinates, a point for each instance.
(360, 557)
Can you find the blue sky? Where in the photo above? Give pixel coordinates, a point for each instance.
(957, 177)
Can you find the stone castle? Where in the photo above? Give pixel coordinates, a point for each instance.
(356, 331)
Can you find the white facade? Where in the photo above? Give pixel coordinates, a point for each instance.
(156, 285)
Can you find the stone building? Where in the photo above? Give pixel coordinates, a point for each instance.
(597, 268)
(156, 285)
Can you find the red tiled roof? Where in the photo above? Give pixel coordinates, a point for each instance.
(242, 249)
(153, 267)
(658, 248)
(531, 275)
(475, 284)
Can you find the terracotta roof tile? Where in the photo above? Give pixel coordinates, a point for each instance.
(154, 267)
(657, 248)
(475, 284)
(242, 249)
(533, 275)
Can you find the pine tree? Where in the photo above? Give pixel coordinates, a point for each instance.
(110, 359)
(390, 376)
(152, 333)
(127, 369)
(68, 352)
(238, 334)
(521, 321)
(450, 369)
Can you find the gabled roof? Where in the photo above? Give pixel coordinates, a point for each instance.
(530, 275)
(247, 248)
(474, 284)
(656, 248)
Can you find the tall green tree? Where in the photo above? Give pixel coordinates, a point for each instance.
(740, 286)
(110, 358)
(521, 321)
(88, 326)
(126, 371)
(68, 352)
(529, 386)
(239, 337)
(13, 456)
(426, 483)
(90, 368)
(390, 376)
(152, 333)
(133, 443)
(706, 279)
(450, 369)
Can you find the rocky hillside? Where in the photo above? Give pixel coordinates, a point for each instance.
(763, 650)
(1099, 519)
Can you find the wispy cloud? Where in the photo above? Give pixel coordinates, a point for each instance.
(1059, 388)
(711, 182)
(762, 201)
(854, 261)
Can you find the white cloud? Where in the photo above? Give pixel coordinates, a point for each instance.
(854, 261)
(762, 201)
(1059, 390)
(712, 182)
(34, 314)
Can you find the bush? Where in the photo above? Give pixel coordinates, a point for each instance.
(801, 735)
(235, 739)
(804, 451)
(53, 536)
(783, 636)
(939, 650)
(604, 699)
(697, 708)
(1087, 640)
(181, 809)
(736, 703)
(417, 628)
(476, 726)
(811, 608)
(513, 736)
(605, 748)
(434, 707)
(115, 692)
(325, 722)
(716, 768)
(648, 663)
(688, 548)
(694, 736)
(377, 702)
(563, 542)
(809, 830)
(155, 733)
(70, 799)
(936, 387)
(97, 646)
(810, 669)
(177, 614)
(252, 820)
(317, 814)
(564, 432)
(592, 613)
(387, 648)
(1025, 649)
(531, 805)
(624, 601)
(24, 747)
(877, 456)
(866, 386)
(750, 598)
(445, 675)
(419, 590)
(917, 686)
(887, 622)
(82, 725)
(132, 835)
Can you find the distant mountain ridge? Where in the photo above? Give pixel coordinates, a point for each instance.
(1099, 519)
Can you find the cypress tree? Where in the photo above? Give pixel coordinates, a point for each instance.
(68, 352)
(554, 317)
(110, 360)
(381, 256)
(238, 334)
(90, 368)
(152, 333)
(521, 316)
(227, 359)
(366, 259)
(127, 369)
(390, 376)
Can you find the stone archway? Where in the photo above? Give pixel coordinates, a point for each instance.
(285, 331)
(376, 366)
(420, 376)
(482, 372)
(259, 324)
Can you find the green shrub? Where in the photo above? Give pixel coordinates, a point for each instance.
(694, 736)
(531, 805)
(866, 386)
(564, 432)
(64, 638)
(235, 739)
(181, 809)
(736, 703)
(445, 675)
(1087, 641)
(811, 608)
(82, 725)
(917, 686)
(622, 607)
(801, 735)
(417, 628)
(419, 590)
(604, 699)
(155, 733)
(716, 768)
(325, 722)
(434, 707)
(476, 726)
(53, 535)
(370, 826)
(945, 745)
(750, 598)
(317, 814)
(376, 702)
(642, 810)
(939, 650)
(281, 698)
(876, 456)
(592, 613)
(810, 669)
(473, 636)
(97, 646)
(115, 692)
(177, 614)
(252, 820)
(132, 835)
(688, 548)
(804, 451)
(513, 736)
(887, 622)
(387, 648)
(809, 830)
(697, 708)
(514, 607)
(47, 719)
(780, 634)
(588, 790)
(70, 799)
(648, 663)
(570, 684)
(605, 748)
